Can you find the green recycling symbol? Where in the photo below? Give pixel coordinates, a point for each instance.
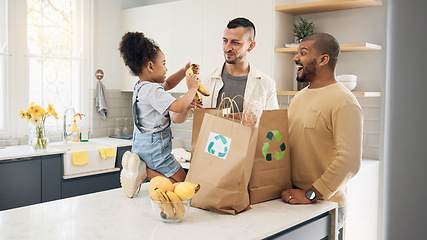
(266, 146)
(225, 149)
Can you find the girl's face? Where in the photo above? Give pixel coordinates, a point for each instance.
(159, 68)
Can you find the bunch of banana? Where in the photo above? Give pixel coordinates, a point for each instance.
(202, 90)
(171, 205)
(165, 204)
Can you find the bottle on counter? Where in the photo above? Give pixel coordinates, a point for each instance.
(75, 132)
(84, 129)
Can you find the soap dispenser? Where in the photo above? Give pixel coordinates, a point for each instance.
(75, 133)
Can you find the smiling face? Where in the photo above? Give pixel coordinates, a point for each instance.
(159, 68)
(236, 44)
(306, 61)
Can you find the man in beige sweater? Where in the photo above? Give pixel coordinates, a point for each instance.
(325, 128)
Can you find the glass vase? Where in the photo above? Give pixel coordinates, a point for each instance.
(39, 140)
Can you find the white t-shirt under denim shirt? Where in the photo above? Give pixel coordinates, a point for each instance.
(152, 112)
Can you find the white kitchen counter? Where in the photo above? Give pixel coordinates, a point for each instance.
(111, 215)
(24, 151)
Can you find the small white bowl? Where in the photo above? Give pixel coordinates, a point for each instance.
(349, 85)
(348, 80)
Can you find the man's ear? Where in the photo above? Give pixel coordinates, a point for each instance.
(251, 45)
(324, 60)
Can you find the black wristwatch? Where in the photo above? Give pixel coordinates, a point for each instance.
(310, 195)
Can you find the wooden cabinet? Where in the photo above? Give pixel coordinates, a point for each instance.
(332, 23)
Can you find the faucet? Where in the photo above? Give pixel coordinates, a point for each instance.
(64, 133)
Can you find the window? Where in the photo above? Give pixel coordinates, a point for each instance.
(4, 55)
(55, 53)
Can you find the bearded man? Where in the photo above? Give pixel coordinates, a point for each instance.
(325, 128)
(236, 76)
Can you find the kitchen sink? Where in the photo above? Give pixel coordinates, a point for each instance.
(95, 162)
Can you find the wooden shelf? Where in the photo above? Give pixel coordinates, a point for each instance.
(326, 5)
(347, 47)
(357, 94)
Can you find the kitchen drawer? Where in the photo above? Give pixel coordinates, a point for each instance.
(316, 228)
(90, 184)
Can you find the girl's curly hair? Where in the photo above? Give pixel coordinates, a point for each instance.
(137, 50)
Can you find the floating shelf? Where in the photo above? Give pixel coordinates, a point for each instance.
(324, 6)
(347, 47)
(357, 94)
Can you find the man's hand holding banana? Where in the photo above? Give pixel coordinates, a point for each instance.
(192, 72)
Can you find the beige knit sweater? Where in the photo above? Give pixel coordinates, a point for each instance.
(325, 138)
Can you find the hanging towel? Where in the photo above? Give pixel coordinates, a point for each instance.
(100, 102)
(79, 158)
(107, 152)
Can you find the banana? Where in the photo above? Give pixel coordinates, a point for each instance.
(198, 97)
(186, 190)
(177, 204)
(202, 90)
(165, 204)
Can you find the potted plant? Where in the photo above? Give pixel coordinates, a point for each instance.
(303, 29)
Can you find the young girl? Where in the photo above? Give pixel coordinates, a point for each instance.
(153, 109)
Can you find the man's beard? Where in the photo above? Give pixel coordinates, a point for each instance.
(238, 59)
(307, 72)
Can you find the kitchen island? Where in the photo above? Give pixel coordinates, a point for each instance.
(111, 215)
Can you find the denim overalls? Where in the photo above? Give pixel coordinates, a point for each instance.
(153, 148)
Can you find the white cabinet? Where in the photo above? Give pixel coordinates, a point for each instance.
(192, 30)
(261, 14)
(363, 203)
(187, 37)
(132, 19)
(216, 15)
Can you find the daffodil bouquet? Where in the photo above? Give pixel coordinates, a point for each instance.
(37, 116)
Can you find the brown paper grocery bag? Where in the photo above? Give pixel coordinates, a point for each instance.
(271, 172)
(222, 164)
(199, 113)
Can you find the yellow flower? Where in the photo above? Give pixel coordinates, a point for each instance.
(36, 120)
(30, 110)
(51, 109)
(37, 110)
(23, 114)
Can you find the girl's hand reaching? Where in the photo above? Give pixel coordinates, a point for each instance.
(193, 81)
(196, 69)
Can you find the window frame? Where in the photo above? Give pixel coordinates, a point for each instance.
(17, 130)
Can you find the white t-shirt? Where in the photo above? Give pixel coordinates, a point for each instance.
(152, 102)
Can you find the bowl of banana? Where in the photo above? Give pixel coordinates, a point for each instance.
(170, 211)
(171, 202)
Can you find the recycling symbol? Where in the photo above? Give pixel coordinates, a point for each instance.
(277, 155)
(218, 145)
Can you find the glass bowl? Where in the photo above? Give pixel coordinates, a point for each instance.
(170, 211)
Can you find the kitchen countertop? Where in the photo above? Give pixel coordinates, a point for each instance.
(111, 215)
(24, 151)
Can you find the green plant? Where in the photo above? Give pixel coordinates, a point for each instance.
(303, 29)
